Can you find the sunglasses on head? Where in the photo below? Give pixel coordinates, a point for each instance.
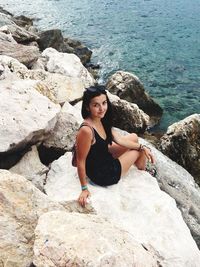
(94, 89)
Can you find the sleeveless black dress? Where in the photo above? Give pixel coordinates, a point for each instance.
(101, 167)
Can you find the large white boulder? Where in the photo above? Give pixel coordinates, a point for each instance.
(179, 184)
(66, 64)
(26, 116)
(64, 133)
(64, 239)
(21, 204)
(57, 87)
(31, 168)
(137, 205)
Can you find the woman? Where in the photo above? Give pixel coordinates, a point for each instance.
(103, 155)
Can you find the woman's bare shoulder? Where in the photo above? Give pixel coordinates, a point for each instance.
(84, 132)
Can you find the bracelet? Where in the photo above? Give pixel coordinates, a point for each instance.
(84, 187)
(141, 147)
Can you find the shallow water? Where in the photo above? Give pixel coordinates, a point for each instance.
(157, 40)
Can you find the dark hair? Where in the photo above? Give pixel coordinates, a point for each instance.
(90, 93)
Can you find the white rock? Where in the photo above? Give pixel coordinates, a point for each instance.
(21, 204)
(57, 87)
(179, 184)
(64, 239)
(26, 116)
(137, 205)
(31, 168)
(19, 33)
(64, 133)
(67, 64)
(11, 67)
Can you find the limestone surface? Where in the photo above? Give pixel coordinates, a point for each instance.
(137, 205)
(26, 116)
(31, 168)
(64, 239)
(21, 204)
(57, 87)
(67, 64)
(64, 133)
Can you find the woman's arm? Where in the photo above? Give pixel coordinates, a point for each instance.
(83, 142)
(121, 140)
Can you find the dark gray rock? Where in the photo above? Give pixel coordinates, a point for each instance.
(50, 38)
(25, 54)
(127, 116)
(54, 38)
(76, 47)
(182, 144)
(23, 21)
(128, 86)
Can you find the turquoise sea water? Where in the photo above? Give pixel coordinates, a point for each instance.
(158, 40)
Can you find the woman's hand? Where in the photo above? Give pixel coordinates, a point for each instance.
(82, 200)
(149, 154)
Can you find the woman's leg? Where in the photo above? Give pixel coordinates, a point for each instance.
(128, 157)
(117, 150)
(131, 157)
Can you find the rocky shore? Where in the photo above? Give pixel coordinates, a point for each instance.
(142, 221)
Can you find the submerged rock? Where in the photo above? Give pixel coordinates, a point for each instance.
(23, 21)
(182, 144)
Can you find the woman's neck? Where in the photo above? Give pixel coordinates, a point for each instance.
(94, 121)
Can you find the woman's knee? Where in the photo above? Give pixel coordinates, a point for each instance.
(133, 137)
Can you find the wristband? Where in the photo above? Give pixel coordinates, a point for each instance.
(84, 187)
(141, 147)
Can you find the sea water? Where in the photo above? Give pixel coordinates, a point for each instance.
(157, 40)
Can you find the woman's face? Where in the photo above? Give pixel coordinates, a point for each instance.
(98, 106)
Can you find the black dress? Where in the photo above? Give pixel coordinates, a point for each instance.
(101, 167)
